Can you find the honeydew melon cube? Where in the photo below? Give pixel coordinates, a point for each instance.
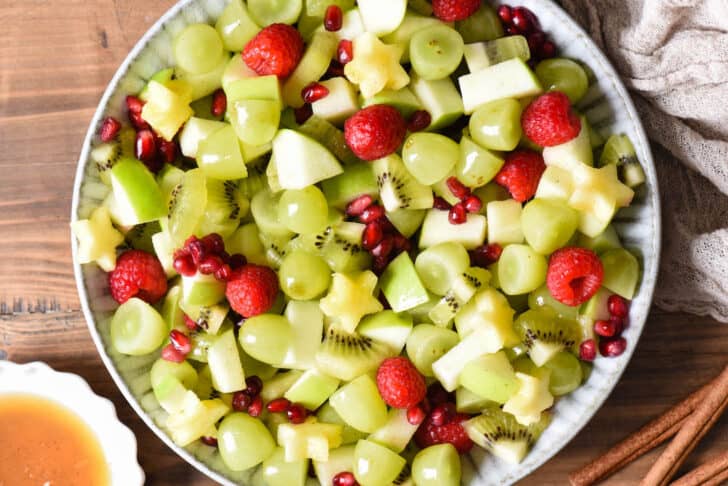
(380, 17)
(480, 55)
(532, 398)
(136, 194)
(436, 228)
(301, 161)
(572, 154)
(387, 327)
(490, 376)
(279, 472)
(621, 272)
(504, 222)
(403, 99)
(166, 111)
(307, 324)
(341, 102)
(312, 389)
(508, 79)
(401, 285)
(278, 384)
(447, 369)
(407, 221)
(194, 131)
(396, 433)
(555, 183)
(606, 240)
(359, 404)
(468, 402)
(225, 365)
(440, 98)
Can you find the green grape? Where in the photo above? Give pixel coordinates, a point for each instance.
(218, 155)
(439, 265)
(427, 343)
(483, 25)
(435, 52)
(278, 472)
(542, 297)
(183, 371)
(137, 328)
(266, 12)
(497, 125)
(477, 165)
(233, 438)
(563, 75)
(303, 276)
(255, 121)
(521, 269)
(566, 374)
(374, 464)
(548, 224)
(303, 210)
(429, 157)
(437, 465)
(266, 337)
(235, 26)
(359, 404)
(264, 208)
(198, 48)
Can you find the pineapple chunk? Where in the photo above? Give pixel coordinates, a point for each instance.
(195, 418)
(532, 398)
(97, 239)
(167, 109)
(375, 66)
(598, 193)
(350, 298)
(487, 309)
(309, 440)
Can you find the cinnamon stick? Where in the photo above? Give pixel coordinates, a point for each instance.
(703, 474)
(638, 443)
(695, 427)
(718, 480)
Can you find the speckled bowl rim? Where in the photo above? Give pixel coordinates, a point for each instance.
(649, 276)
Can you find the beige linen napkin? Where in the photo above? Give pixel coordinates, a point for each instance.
(673, 57)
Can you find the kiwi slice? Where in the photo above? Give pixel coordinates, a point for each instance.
(348, 355)
(397, 188)
(140, 236)
(107, 154)
(340, 246)
(463, 288)
(275, 248)
(225, 206)
(500, 433)
(545, 333)
(187, 205)
(620, 151)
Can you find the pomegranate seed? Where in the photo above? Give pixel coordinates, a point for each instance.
(536, 40)
(223, 273)
(241, 401)
(213, 243)
(278, 405)
(505, 14)
(620, 322)
(458, 189)
(344, 479)
(170, 353)
(442, 414)
(333, 18)
(167, 149)
(189, 323)
(401, 243)
(254, 385)
(617, 306)
(358, 205)
(415, 415)
(109, 129)
(219, 103)
(210, 265)
(314, 92)
(437, 395)
(473, 204)
(255, 408)
(419, 120)
(606, 328)
(296, 413)
(145, 147)
(457, 214)
(440, 203)
(510, 30)
(335, 70)
(372, 235)
(548, 50)
(197, 251)
(135, 105)
(524, 20)
(384, 248)
(371, 214)
(588, 350)
(180, 341)
(210, 441)
(303, 113)
(237, 260)
(379, 264)
(184, 265)
(387, 226)
(345, 52)
(612, 347)
(485, 255)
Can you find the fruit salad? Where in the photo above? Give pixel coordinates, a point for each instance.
(364, 237)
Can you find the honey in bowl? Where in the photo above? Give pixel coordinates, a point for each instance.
(44, 443)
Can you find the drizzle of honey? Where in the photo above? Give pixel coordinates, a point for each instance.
(43, 443)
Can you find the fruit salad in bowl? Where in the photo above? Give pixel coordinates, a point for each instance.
(347, 242)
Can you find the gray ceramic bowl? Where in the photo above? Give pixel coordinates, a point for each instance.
(608, 108)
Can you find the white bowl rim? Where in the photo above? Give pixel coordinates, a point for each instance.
(647, 285)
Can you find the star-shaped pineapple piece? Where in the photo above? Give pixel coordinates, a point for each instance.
(532, 398)
(97, 239)
(375, 66)
(350, 298)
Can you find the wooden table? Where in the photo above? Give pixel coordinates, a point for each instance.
(56, 57)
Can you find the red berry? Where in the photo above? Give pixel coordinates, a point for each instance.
(574, 275)
(452, 10)
(612, 347)
(588, 350)
(109, 129)
(358, 205)
(181, 342)
(189, 323)
(549, 120)
(384, 248)
(452, 433)
(303, 113)
(314, 92)
(419, 120)
(253, 385)
(344, 478)
(457, 188)
(333, 18)
(617, 306)
(252, 290)
(137, 274)
(440, 203)
(473, 204)
(134, 106)
(375, 131)
(524, 20)
(145, 146)
(276, 49)
(210, 441)
(485, 255)
(521, 173)
(371, 214)
(296, 413)
(607, 328)
(219, 103)
(184, 265)
(210, 265)
(256, 407)
(505, 13)
(372, 235)
(167, 150)
(457, 214)
(345, 52)
(278, 405)
(399, 383)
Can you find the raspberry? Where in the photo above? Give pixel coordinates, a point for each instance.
(375, 131)
(452, 10)
(451, 432)
(137, 274)
(399, 383)
(521, 173)
(574, 275)
(252, 290)
(274, 50)
(549, 120)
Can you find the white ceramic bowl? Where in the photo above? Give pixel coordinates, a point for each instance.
(608, 108)
(71, 391)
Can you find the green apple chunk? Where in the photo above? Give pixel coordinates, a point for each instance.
(387, 327)
(137, 196)
(237, 450)
(339, 104)
(548, 224)
(358, 403)
(312, 389)
(437, 465)
(440, 98)
(508, 79)
(490, 376)
(137, 328)
(447, 369)
(521, 269)
(218, 155)
(349, 435)
(225, 364)
(356, 180)
(202, 290)
(301, 161)
(621, 272)
(278, 472)
(375, 465)
(396, 433)
(307, 323)
(403, 99)
(401, 285)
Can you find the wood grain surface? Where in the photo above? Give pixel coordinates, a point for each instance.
(56, 57)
